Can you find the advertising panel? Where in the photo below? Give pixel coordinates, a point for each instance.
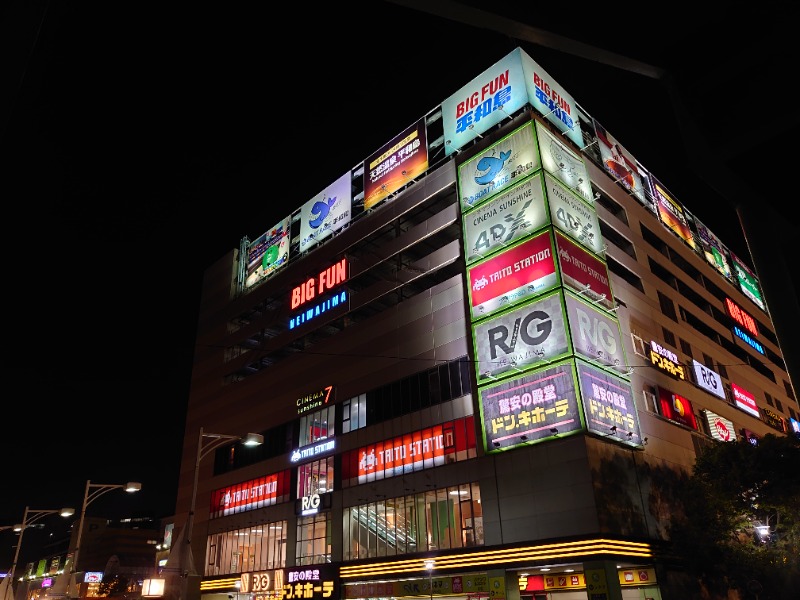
(529, 408)
(520, 338)
(485, 101)
(608, 403)
(595, 334)
(573, 216)
(515, 213)
(671, 214)
(720, 428)
(552, 101)
(708, 379)
(512, 276)
(249, 495)
(773, 419)
(745, 400)
(583, 272)
(748, 282)
(564, 164)
(666, 360)
(414, 451)
(498, 167)
(676, 408)
(305, 583)
(714, 251)
(741, 316)
(268, 253)
(620, 164)
(329, 211)
(395, 164)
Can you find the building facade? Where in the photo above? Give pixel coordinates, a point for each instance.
(481, 361)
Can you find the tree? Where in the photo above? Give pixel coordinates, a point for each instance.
(114, 585)
(740, 526)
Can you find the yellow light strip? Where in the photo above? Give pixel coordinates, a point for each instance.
(216, 584)
(542, 552)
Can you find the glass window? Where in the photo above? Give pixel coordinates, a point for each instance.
(315, 477)
(436, 519)
(317, 426)
(354, 413)
(313, 540)
(254, 548)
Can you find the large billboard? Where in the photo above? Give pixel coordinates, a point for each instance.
(327, 212)
(395, 164)
(608, 405)
(530, 408)
(748, 282)
(564, 164)
(498, 167)
(268, 253)
(714, 251)
(583, 272)
(595, 334)
(518, 339)
(512, 276)
(573, 216)
(517, 212)
(720, 428)
(671, 214)
(622, 167)
(552, 101)
(745, 400)
(676, 408)
(250, 495)
(484, 102)
(499, 92)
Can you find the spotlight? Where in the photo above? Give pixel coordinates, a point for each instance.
(496, 444)
(630, 435)
(554, 431)
(644, 442)
(524, 438)
(613, 429)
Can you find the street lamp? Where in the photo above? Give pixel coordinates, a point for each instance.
(28, 518)
(90, 496)
(206, 443)
(430, 564)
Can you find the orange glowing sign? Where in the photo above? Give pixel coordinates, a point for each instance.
(326, 280)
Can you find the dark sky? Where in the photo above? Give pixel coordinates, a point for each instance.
(141, 141)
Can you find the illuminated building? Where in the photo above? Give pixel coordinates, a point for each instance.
(489, 344)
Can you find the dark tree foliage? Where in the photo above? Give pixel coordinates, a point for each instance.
(735, 492)
(114, 585)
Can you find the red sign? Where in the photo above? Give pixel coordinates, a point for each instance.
(741, 316)
(745, 400)
(249, 495)
(676, 408)
(582, 271)
(326, 280)
(517, 273)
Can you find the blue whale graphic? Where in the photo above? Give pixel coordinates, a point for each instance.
(492, 166)
(321, 209)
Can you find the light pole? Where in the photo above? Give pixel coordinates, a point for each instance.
(28, 518)
(92, 493)
(430, 564)
(206, 443)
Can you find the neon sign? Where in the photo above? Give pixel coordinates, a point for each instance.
(313, 450)
(326, 280)
(748, 340)
(666, 360)
(314, 400)
(741, 316)
(306, 315)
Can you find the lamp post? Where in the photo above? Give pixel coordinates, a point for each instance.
(430, 564)
(206, 443)
(28, 518)
(92, 493)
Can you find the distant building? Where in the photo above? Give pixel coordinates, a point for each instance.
(493, 344)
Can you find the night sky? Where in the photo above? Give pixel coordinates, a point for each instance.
(142, 141)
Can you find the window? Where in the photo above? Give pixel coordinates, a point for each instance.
(354, 413)
(768, 399)
(256, 547)
(317, 426)
(686, 347)
(667, 307)
(315, 477)
(432, 520)
(639, 346)
(313, 540)
(669, 337)
(778, 405)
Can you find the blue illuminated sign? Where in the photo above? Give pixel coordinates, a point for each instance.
(748, 340)
(305, 315)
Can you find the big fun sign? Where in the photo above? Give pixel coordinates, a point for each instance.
(326, 280)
